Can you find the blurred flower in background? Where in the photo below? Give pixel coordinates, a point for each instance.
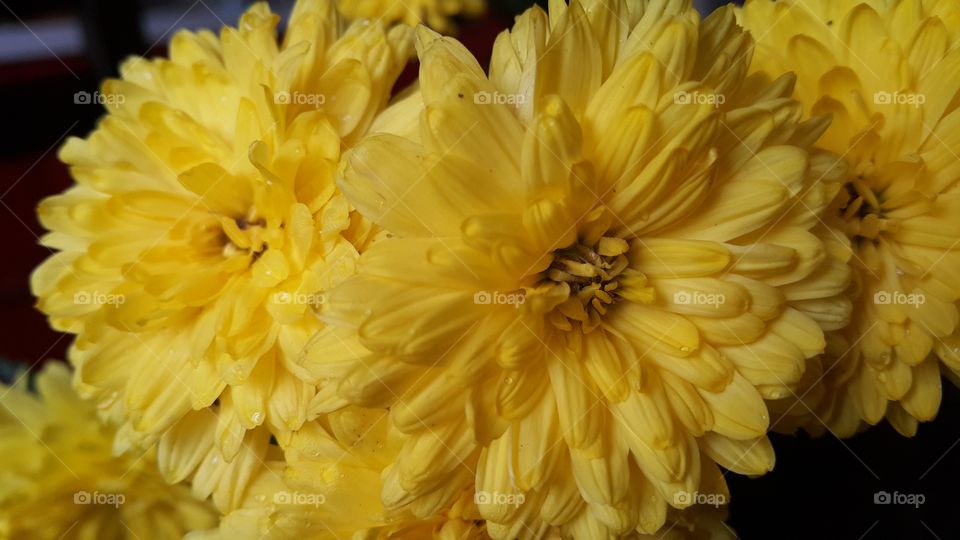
(59, 478)
(435, 13)
(886, 73)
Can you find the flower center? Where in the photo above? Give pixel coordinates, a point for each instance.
(862, 208)
(243, 234)
(594, 278)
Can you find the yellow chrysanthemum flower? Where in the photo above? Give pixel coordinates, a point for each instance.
(205, 223)
(887, 73)
(601, 259)
(434, 13)
(60, 480)
(328, 489)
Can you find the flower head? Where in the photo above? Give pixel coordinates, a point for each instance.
(60, 479)
(205, 225)
(886, 72)
(602, 257)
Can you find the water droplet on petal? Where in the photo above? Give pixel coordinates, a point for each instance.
(238, 372)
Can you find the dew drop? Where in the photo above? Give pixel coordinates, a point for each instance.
(256, 417)
(238, 372)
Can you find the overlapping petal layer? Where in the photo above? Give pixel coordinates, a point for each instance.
(329, 488)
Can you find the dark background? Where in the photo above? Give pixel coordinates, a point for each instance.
(821, 488)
